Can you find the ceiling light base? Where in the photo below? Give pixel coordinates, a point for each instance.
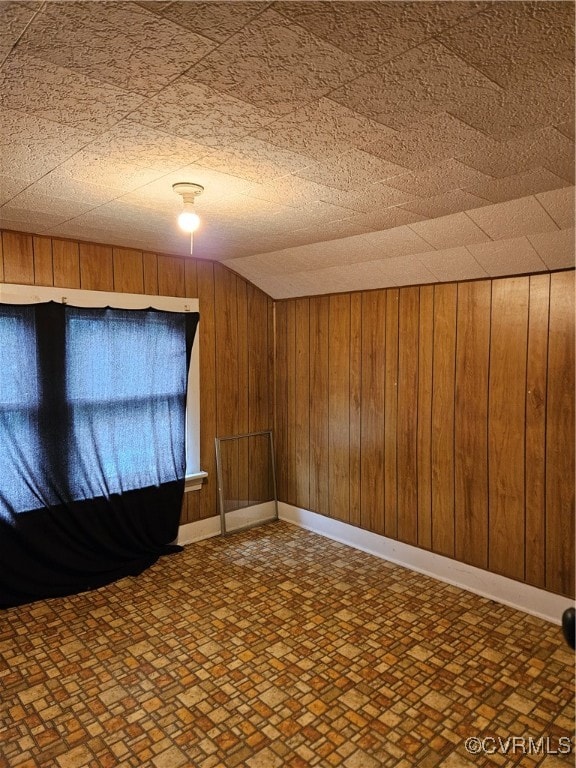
(187, 190)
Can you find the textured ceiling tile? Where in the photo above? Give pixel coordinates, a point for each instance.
(59, 185)
(16, 218)
(117, 43)
(406, 271)
(316, 212)
(345, 278)
(31, 146)
(331, 230)
(243, 208)
(420, 83)
(567, 128)
(452, 264)
(509, 37)
(138, 145)
(520, 185)
(15, 17)
(425, 143)
(547, 147)
(334, 253)
(272, 264)
(116, 215)
(337, 279)
(512, 219)
(214, 20)
(559, 205)
(527, 105)
(402, 241)
(30, 200)
(443, 205)
(58, 94)
(352, 170)
(262, 64)
(556, 249)
(198, 113)
(324, 129)
(446, 176)
(107, 172)
(388, 218)
(34, 227)
(375, 31)
(374, 198)
(254, 159)
(82, 147)
(449, 231)
(288, 190)
(10, 186)
(284, 287)
(507, 257)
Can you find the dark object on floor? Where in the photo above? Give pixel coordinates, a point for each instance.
(568, 626)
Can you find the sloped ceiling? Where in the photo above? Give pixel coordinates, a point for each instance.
(342, 145)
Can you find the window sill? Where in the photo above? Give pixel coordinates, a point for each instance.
(193, 481)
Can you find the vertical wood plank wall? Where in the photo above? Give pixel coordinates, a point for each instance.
(235, 332)
(441, 416)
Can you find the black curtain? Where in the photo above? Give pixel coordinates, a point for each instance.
(92, 444)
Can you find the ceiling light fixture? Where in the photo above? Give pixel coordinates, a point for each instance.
(188, 220)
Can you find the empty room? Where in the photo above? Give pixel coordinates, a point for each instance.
(287, 404)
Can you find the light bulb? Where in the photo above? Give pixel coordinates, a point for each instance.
(189, 221)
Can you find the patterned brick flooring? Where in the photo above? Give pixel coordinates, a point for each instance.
(277, 647)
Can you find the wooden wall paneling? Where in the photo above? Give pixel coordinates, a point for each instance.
(471, 417)
(339, 406)
(208, 399)
(302, 403)
(281, 408)
(191, 500)
(96, 267)
(355, 406)
(424, 433)
(407, 427)
(271, 375)
(1, 259)
(391, 415)
(442, 437)
(243, 390)
(66, 263)
(227, 371)
(171, 276)
(18, 257)
(43, 269)
(258, 412)
(372, 428)
(535, 467)
(128, 267)
(150, 269)
(271, 312)
(260, 478)
(560, 437)
(291, 395)
(258, 378)
(190, 278)
(319, 333)
(506, 426)
(190, 508)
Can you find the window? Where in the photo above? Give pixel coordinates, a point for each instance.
(103, 414)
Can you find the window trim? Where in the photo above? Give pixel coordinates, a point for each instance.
(13, 293)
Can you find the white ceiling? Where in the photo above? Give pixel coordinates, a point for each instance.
(342, 145)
